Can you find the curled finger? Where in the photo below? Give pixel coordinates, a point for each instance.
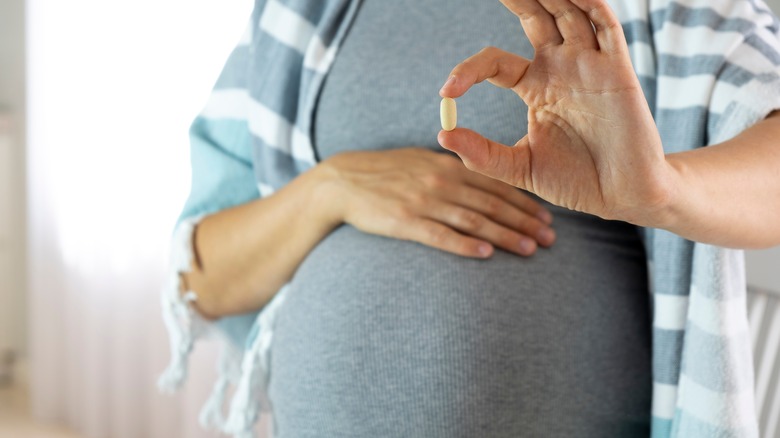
(537, 22)
(609, 30)
(573, 23)
(497, 66)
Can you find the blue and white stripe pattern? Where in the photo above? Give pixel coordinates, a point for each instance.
(709, 69)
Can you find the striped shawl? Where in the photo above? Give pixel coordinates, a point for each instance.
(709, 69)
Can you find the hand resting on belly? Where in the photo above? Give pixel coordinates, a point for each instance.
(246, 253)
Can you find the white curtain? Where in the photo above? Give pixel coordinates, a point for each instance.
(113, 86)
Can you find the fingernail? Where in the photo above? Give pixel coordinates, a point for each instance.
(546, 236)
(485, 250)
(527, 246)
(451, 80)
(545, 216)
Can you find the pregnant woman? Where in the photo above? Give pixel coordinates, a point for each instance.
(400, 293)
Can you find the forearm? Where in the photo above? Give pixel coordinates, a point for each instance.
(728, 194)
(245, 254)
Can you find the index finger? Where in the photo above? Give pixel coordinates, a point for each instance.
(538, 23)
(609, 30)
(499, 67)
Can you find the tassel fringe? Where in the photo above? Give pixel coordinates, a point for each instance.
(183, 325)
(247, 370)
(255, 370)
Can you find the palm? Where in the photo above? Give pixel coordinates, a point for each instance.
(578, 132)
(591, 146)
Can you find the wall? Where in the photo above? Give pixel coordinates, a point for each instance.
(12, 54)
(12, 121)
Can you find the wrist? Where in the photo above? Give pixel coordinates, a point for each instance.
(665, 211)
(324, 197)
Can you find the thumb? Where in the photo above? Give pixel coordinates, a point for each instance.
(482, 155)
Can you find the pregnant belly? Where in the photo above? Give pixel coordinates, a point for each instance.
(462, 347)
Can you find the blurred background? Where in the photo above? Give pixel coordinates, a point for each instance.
(96, 98)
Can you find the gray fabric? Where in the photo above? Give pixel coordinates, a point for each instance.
(382, 91)
(380, 337)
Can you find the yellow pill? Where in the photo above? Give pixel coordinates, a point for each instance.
(449, 114)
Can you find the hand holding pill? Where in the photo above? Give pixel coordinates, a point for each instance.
(592, 144)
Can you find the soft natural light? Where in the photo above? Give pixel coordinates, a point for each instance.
(113, 87)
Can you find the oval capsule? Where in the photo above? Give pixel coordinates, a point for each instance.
(449, 114)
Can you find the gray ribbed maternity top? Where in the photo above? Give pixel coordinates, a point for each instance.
(387, 338)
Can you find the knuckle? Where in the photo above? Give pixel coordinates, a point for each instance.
(567, 13)
(530, 17)
(437, 235)
(470, 220)
(404, 214)
(490, 51)
(435, 180)
(398, 226)
(416, 198)
(494, 206)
